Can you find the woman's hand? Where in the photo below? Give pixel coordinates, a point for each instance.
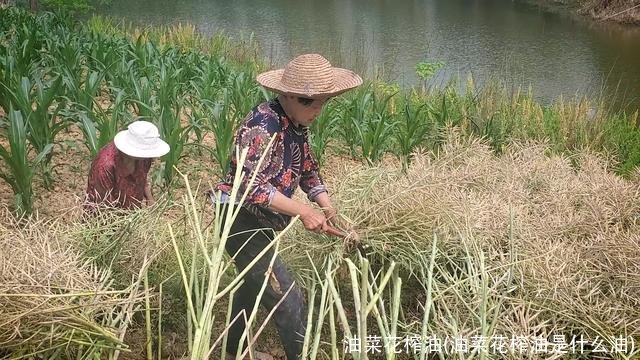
(313, 220)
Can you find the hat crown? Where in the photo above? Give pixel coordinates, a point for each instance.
(143, 132)
(141, 139)
(309, 74)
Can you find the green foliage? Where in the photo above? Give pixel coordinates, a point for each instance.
(98, 131)
(167, 117)
(17, 160)
(34, 99)
(222, 123)
(622, 137)
(323, 130)
(426, 70)
(73, 6)
(411, 129)
(366, 122)
(375, 131)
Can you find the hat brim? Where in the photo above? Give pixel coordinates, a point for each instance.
(120, 140)
(344, 80)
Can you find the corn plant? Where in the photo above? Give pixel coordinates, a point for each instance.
(176, 136)
(351, 111)
(411, 129)
(34, 99)
(65, 52)
(440, 117)
(196, 126)
(244, 94)
(222, 95)
(366, 122)
(8, 78)
(18, 163)
(168, 118)
(99, 132)
(322, 131)
(12, 15)
(27, 42)
(222, 123)
(376, 130)
(210, 78)
(189, 64)
(122, 74)
(143, 99)
(85, 91)
(103, 51)
(146, 55)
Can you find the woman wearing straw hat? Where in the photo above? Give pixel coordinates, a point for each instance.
(118, 175)
(303, 87)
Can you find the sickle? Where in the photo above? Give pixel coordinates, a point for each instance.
(335, 232)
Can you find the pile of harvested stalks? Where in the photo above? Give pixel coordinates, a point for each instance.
(52, 302)
(556, 238)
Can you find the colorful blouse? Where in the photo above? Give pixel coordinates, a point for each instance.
(108, 183)
(289, 163)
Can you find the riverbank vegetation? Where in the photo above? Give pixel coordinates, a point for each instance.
(482, 213)
(622, 11)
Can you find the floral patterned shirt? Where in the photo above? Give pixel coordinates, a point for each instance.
(289, 163)
(108, 183)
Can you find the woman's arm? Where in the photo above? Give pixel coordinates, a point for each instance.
(324, 202)
(313, 220)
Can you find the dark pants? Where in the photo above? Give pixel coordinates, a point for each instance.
(290, 315)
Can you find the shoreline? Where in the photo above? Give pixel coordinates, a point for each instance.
(613, 13)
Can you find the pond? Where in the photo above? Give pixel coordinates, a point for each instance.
(553, 53)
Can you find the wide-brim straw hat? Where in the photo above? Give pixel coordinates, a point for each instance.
(311, 76)
(141, 140)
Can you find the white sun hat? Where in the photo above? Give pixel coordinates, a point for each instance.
(141, 140)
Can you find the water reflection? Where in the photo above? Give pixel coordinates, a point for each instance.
(502, 39)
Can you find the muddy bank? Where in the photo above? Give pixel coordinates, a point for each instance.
(618, 11)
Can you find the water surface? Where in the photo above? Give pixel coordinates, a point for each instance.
(555, 54)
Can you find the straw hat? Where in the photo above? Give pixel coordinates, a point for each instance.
(141, 140)
(310, 75)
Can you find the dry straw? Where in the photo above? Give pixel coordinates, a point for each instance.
(547, 243)
(52, 302)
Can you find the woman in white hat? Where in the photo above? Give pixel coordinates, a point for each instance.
(303, 87)
(118, 174)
